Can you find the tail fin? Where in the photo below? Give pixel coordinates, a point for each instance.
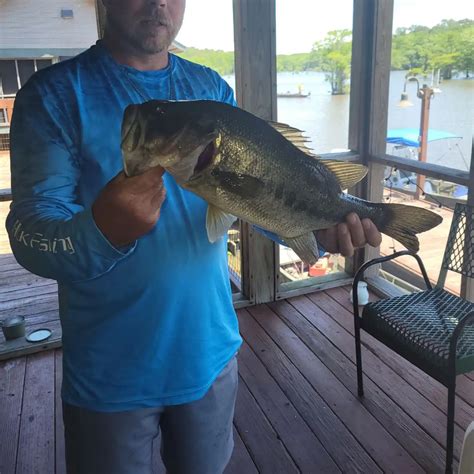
(404, 222)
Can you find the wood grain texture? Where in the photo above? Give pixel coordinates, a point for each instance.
(36, 442)
(317, 412)
(431, 389)
(265, 446)
(323, 342)
(12, 377)
(240, 461)
(414, 404)
(304, 447)
(295, 353)
(358, 420)
(59, 451)
(19, 347)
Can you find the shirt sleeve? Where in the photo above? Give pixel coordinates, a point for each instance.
(51, 233)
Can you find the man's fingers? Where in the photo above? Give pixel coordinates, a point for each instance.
(158, 197)
(147, 182)
(154, 173)
(356, 230)
(328, 239)
(372, 234)
(344, 239)
(148, 178)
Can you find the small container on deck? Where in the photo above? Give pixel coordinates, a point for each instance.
(13, 327)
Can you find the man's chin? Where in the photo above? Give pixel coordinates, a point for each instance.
(154, 47)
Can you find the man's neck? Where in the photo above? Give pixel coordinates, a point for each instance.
(127, 55)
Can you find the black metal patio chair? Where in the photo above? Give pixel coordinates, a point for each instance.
(432, 328)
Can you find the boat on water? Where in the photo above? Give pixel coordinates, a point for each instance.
(294, 95)
(405, 143)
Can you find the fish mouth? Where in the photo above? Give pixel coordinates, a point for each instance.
(131, 130)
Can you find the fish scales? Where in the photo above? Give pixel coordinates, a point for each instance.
(258, 171)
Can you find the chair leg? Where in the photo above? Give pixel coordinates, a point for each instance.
(360, 382)
(450, 425)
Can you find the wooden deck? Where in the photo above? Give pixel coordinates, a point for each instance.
(297, 408)
(35, 298)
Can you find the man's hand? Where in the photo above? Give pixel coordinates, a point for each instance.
(128, 208)
(344, 238)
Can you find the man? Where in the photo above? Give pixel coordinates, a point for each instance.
(149, 331)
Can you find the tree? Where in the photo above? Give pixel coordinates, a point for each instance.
(221, 61)
(465, 59)
(447, 47)
(333, 56)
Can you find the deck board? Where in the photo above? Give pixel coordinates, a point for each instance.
(319, 415)
(35, 298)
(297, 407)
(240, 462)
(406, 431)
(304, 447)
(60, 461)
(12, 376)
(430, 388)
(265, 446)
(36, 441)
(382, 375)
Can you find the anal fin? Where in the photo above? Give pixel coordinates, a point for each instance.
(305, 246)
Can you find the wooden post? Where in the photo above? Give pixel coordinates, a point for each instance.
(425, 93)
(100, 15)
(370, 79)
(255, 73)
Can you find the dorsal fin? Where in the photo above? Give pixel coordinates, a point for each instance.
(293, 135)
(347, 173)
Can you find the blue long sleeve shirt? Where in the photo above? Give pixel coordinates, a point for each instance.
(152, 324)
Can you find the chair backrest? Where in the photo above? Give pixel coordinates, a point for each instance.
(459, 253)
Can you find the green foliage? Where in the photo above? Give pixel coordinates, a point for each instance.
(447, 47)
(293, 62)
(220, 61)
(333, 56)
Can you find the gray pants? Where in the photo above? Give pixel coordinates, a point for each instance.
(196, 438)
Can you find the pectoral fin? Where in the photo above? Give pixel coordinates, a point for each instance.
(217, 223)
(305, 246)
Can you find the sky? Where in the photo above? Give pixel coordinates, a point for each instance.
(208, 23)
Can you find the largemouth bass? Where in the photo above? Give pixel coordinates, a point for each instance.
(256, 170)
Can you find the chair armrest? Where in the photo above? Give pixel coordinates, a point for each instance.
(360, 273)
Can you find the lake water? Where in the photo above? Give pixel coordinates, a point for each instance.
(325, 118)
